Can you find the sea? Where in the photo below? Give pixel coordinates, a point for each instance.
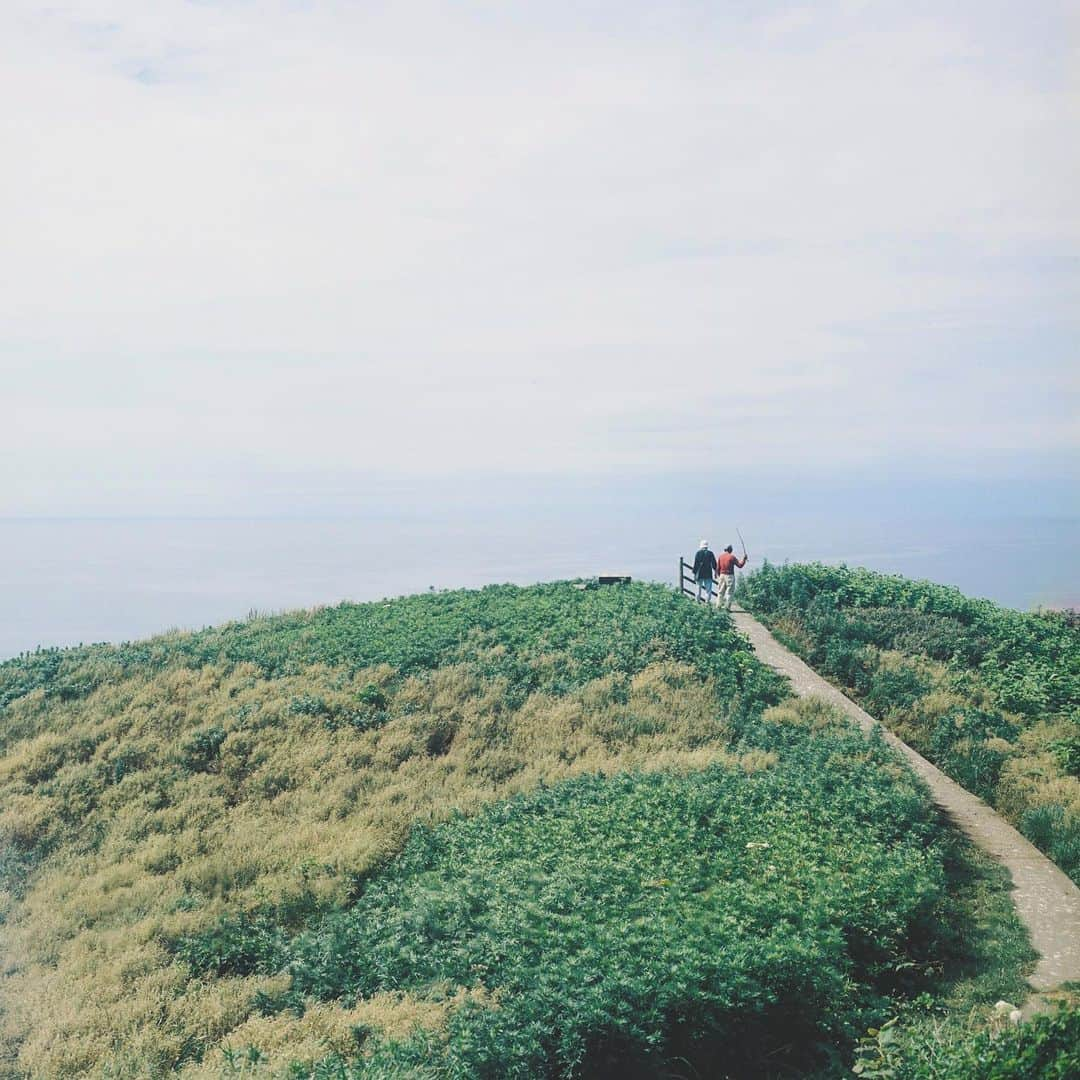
(72, 580)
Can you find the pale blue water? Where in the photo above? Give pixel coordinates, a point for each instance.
(63, 582)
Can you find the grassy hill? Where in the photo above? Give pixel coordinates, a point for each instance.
(990, 695)
(510, 832)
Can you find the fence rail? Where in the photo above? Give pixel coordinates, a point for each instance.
(687, 582)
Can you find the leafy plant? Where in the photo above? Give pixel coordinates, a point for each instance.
(235, 945)
(309, 705)
(202, 749)
(1067, 753)
(1046, 1047)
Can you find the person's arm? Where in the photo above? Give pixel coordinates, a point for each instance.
(739, 564)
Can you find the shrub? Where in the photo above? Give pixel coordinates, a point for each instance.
(1046, 1047)
(200, 752)
(372, 696)
(963, 745)
(309, 705)
(370, 711)
(897, 689)
(235, 945)
(1067, 753)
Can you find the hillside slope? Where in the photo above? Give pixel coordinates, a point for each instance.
(505, 832)
(989, 695)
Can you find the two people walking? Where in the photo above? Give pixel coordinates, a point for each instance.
(710, 570)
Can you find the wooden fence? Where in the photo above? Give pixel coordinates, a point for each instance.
(686, 581)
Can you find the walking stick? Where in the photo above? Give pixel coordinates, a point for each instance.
(743, 542)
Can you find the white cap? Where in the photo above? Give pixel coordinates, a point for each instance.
(704, 544)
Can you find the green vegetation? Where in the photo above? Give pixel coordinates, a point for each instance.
(272, 767)
(990, 695)
(614, 924)
(546, 831)
(502, 631)
(930, 1047)
(952, 1034)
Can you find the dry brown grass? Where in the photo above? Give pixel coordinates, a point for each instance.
(1031, 775)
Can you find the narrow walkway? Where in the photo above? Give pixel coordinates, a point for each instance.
(1046, 899)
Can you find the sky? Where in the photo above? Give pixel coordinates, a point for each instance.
(255, 249)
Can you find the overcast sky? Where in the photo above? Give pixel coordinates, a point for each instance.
(247, 242)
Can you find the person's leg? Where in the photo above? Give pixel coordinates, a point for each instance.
(730, 590)
(708, 590)
(700, 588)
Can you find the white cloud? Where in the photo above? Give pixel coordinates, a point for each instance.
(441, 236)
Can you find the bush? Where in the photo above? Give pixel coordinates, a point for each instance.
(1046, 1047)
(236, 945)
(370, 711)
(1067, 753)
(898, 689)
(372, 696)
(309, 705)
(200, 752)
(962, 746)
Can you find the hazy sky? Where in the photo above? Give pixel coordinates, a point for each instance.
(253, 244)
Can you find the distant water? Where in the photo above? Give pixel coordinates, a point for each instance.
(63, 582)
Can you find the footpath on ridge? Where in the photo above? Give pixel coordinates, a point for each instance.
(1046, 899)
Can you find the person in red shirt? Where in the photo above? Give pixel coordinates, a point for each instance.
(725, 576)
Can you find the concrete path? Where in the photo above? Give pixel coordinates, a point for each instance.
(1046, 900)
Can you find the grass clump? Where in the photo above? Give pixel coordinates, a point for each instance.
(990, 695)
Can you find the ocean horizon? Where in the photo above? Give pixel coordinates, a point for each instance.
(71, 581)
